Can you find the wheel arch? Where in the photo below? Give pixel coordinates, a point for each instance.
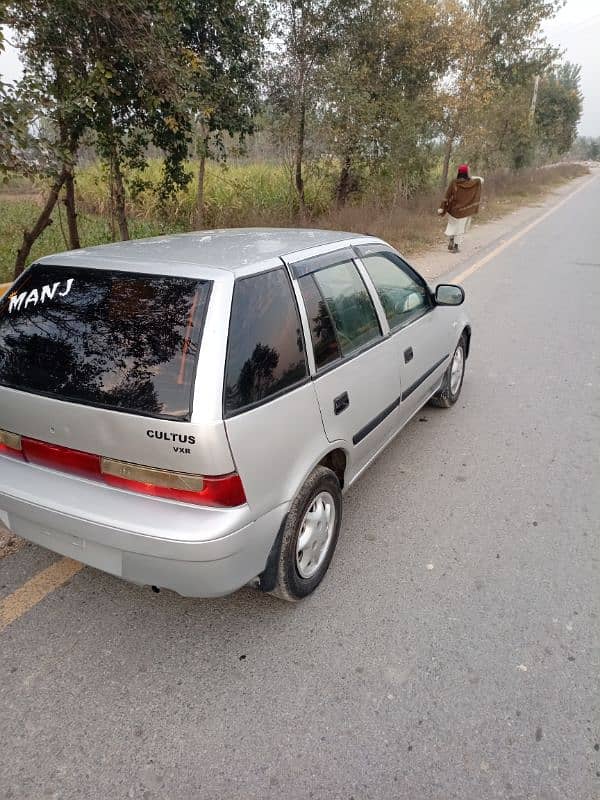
(337, 461)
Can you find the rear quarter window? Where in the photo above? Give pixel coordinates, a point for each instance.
(107, 338)
(265, 351)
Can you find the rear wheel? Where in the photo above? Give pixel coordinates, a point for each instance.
(309, 536)
(449, 391)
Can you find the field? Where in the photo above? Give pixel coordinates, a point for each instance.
(257, 194)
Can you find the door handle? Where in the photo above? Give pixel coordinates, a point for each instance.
(408, 354)
(341, 403)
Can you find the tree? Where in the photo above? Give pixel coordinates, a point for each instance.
(558, 109)
(586, 148)
(379, 88)
(113, 69)
(304, 35)
(499, 52)
(226, 39)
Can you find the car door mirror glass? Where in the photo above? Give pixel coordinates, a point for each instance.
(448, 295)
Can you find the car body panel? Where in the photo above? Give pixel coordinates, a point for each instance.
(231, 250)
(430, 358)
(359, 426)
(194, 551)
(275, 446)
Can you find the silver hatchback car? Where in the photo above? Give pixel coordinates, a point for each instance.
(186, 411)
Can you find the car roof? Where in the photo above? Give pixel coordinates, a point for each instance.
(233, 249)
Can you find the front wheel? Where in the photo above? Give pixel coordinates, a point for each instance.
(449, 391)
(309, 536)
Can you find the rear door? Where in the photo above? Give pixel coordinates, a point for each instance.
(270, 407)
(356, 374)
(420, 347)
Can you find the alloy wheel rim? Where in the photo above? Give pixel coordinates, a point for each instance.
(456, 370)
(316, 534)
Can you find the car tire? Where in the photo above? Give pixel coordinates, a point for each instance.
(315, 516)
(449, 391)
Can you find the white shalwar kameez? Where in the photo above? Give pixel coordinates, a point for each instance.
(458, 228)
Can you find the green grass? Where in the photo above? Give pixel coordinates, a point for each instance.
(16, 215)
(236, 194)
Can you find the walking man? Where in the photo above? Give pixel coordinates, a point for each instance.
(461, 203)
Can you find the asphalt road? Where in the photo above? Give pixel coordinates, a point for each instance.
(452, 652)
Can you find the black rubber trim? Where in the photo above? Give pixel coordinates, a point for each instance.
(340, 362)
(407, 392)
(268, 577)
(370, 426)
(308, 265)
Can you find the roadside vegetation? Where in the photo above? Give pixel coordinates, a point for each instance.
(258, 195)
(134, 118)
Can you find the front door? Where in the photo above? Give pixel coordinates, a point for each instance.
(411, 314)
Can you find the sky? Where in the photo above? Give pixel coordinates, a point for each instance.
(575, 29)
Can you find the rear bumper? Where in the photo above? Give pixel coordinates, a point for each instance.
(197, 552)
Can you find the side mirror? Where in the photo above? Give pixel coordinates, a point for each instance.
(448, 295)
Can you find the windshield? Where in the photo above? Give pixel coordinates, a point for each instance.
(119, 340)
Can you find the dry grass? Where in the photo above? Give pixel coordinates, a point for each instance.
(413, 225)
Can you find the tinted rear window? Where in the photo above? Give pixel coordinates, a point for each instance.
(118, 340)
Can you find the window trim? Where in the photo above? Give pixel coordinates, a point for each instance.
(409, 271)
(105, 407)
(306, 379)
(306, 266)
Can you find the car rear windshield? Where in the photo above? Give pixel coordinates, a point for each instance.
(118, 340)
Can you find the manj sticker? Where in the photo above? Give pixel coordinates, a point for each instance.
(35, 296)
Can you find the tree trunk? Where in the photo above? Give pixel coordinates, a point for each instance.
(42, 222)
(447, 157)
(299, 155)
(120, 210)
(200, 189)
(74, 242)
(344, 182)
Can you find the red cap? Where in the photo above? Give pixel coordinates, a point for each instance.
(463, 169)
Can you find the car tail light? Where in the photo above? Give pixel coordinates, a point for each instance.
(61, 458)
(10, 444)
(220, 490)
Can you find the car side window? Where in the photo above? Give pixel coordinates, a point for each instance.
(402, 295)
(346, 309)
(265, 351)
(324, 340)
